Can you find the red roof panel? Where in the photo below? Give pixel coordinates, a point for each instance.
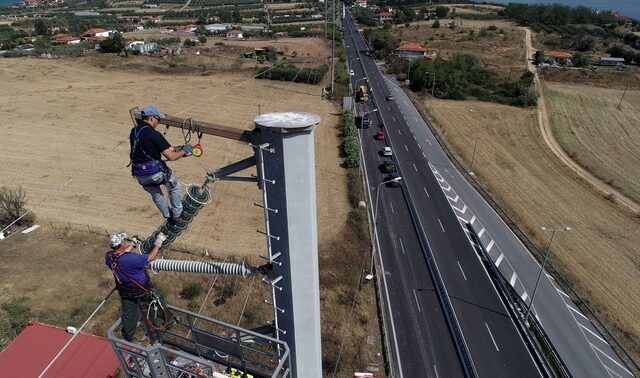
(34, 348)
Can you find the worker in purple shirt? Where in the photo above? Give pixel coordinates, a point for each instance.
(148, 147)
(134, 286)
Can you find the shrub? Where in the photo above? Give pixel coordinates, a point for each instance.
(436, 24)
(14, 316)
(492, 28)
(12, 206)
(191, 291)
(113, 44)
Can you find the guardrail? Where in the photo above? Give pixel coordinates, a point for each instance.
(618, 348)
(530, 328)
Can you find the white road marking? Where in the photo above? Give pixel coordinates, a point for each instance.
(563, 293)
(463, 210)
(513, 278)
(453, 199)
(425, 192)
(492, 339)
(406, 148)
(429, 142)
(481, 232)
(393, 118)
(524, 297)
(462, 271)
(446, 171)
(491, 243)
(401, 246)
(612, 360)
(464, 221)
(399, 132)
(414, 137)
(448, 188)
(436, 370)
(499, 260)
(423, 155)
(411, 130)
(390, 204)
(416, 297)
(593, 333)
(473, 219)
(415, 168)
(577, 312)
(441, 225)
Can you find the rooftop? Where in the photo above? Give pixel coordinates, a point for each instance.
(412, 47)
(558, 54)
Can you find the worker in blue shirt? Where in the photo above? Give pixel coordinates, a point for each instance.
(137, 295)
(148, 146)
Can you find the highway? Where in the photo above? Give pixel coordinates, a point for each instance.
(495, 345)
(445, 201)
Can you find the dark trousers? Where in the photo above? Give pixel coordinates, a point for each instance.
(135, 304)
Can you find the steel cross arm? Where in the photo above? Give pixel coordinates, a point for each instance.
(225, 172)
(201, 126)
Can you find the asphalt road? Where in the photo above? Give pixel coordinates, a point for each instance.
(582, 347)
(495, 345)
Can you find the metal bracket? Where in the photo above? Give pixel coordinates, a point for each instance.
(274, 306)
(226, 171)
(262, 207)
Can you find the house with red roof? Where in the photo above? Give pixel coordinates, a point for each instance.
(361, 3)
(63, 39)
(413, 51)
(96, 33)
(234, 34)
(384, 16)
(38, 344)
(555, 57)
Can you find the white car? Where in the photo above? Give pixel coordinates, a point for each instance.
(351, 72)
(386, 151)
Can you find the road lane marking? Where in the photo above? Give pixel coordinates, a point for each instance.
(416, 297)
(391, 204)
(499, 260)
(423, 155)
(425, 192)
(431, 144)
(463, 210)
(524, 297)
(462, 271)
(415, 168)
(513, 278)
(406, 148)
(401, 246)
(448, 188)
(473, 219)
(442, 227)
(414, 137)
(492, 339)
(594, 334)
(436, 370)
(481, 232)
(411, 130)
(393, 118)
(454, 199)
(577, 312)
(612, 360)
(491, 243)
(399, 132)
(563, 293)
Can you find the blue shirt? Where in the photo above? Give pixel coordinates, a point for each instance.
(129, 264)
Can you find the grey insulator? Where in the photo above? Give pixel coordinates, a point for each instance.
(195, 198)
(204, 267)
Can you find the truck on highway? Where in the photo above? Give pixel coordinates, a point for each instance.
(363, 93)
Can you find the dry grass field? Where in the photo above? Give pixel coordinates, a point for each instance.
(595, 133)
(497, 50)
(600, 255)
(67, 121)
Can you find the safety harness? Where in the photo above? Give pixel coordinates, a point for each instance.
(153, 306)
(148, 167)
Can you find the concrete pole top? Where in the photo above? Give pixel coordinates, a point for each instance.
(287, 122)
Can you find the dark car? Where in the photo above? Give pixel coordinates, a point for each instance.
(388, 166)
(393, 176)
(390, 97)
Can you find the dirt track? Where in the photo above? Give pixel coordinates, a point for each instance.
(552, 143)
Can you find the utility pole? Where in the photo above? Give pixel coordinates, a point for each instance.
(333, 47)
(623, 93)
(326, 17)
(259, 108)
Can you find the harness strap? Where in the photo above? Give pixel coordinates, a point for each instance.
(115, 269)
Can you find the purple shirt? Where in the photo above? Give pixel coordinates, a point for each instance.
(129, 265)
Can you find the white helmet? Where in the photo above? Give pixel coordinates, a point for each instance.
(116, 239)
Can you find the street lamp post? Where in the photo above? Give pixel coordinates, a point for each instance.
(544, 261)
(475, 146)
(375, 221)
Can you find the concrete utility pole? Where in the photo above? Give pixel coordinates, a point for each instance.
(286, 164)
(333, 47)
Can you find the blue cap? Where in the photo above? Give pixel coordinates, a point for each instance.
(152, 111)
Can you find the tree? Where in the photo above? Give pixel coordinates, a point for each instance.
(112, 44)
(537, 57)
(40, 27)
(618, 51)
(452, 25)
(584, 43)
(436, 24)
(442, 11)
(581, 60)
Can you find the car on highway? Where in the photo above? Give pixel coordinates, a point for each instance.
(351, 72)
(386, 151)
(379, 135)
(389, 97)
(393, 180)
(388, 166)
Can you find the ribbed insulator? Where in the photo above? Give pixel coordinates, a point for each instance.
(203, 267)
(195, 198)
